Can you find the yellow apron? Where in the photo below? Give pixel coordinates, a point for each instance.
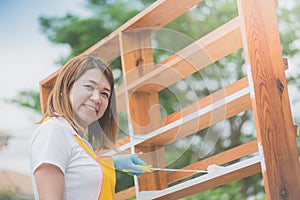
(109, 175)
(107, 191)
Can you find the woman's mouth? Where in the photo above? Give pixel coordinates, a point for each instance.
(91, 108)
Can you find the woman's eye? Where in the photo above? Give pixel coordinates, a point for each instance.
(89, 87)
(105, 94)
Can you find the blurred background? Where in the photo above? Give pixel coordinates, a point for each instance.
(38, 37)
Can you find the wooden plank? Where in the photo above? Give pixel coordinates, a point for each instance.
(216, 182)
(46, 86)
(296, 130)
(108, 49)
(173, 117)
(187, 61)
(211, 180)
(157, 15)
(141, 54)
(50, 80)
(208, 116)
(143, 110)
(156, 180)
(203, 112)
(44, 94)
(218, 106)
(125, 194)
(270, 100)
(285, 63)
(120, 98)
(208, 49)
(48, 83)
(218, 159)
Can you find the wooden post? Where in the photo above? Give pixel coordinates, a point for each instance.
(46, 87)
(143, 106)
(270, 101)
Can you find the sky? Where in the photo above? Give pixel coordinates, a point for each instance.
(27, 57)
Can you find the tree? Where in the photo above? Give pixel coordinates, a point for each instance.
(106, 15)
(7, 195)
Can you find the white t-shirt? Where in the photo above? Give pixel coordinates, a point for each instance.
(54, 143)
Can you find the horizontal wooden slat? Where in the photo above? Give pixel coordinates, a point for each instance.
(50, 80)
(208, 49)
(216, 182)
(126, 194)
(169, 132)
(177, 115)
(218, 159)
(211, 180)
(156, 16)
(159, 14)
(108, 48)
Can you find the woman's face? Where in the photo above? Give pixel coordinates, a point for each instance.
(89, 97)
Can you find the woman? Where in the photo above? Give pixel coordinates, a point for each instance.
(81, 104)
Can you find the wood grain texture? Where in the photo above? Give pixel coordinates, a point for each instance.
(142, 107)
(126, 194)
(46, 86)
(207, 119)
(271, 105)
(194, 57)
(155, 16)
(218, 159)
(255, 30)
(214, 182)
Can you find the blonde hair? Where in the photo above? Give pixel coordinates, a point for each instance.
(101, 133)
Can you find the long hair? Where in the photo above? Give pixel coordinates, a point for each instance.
(101, 133)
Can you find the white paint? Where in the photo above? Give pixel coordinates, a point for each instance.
(139, 139)
(250, 81)
(147, 195)
(262, 157)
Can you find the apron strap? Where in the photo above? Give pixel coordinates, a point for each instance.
(109, 175)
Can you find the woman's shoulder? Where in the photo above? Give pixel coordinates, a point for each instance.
(51, 123)
(52, 129)
(55, 124)
(58, 122)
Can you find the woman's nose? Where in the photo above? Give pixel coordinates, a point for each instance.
(96, 97)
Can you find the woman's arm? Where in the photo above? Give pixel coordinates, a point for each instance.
(50, 182)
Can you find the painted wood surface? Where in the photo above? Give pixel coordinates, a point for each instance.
(270, 101)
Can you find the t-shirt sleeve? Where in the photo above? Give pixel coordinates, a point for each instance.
(51, 145)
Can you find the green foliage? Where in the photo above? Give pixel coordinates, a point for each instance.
(82, 33)
(7, 195)
(79, 33)
(229, 191)
(28, 99)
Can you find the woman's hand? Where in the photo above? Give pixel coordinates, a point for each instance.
(129, 163)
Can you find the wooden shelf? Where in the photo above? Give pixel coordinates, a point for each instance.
(263, 90)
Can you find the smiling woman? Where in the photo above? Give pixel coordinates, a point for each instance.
(91, 97)
(25, 73)
(81, 102)
(76, 94)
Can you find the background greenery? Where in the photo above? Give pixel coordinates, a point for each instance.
(79, 33)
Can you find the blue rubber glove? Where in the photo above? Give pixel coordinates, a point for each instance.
(128, 163)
